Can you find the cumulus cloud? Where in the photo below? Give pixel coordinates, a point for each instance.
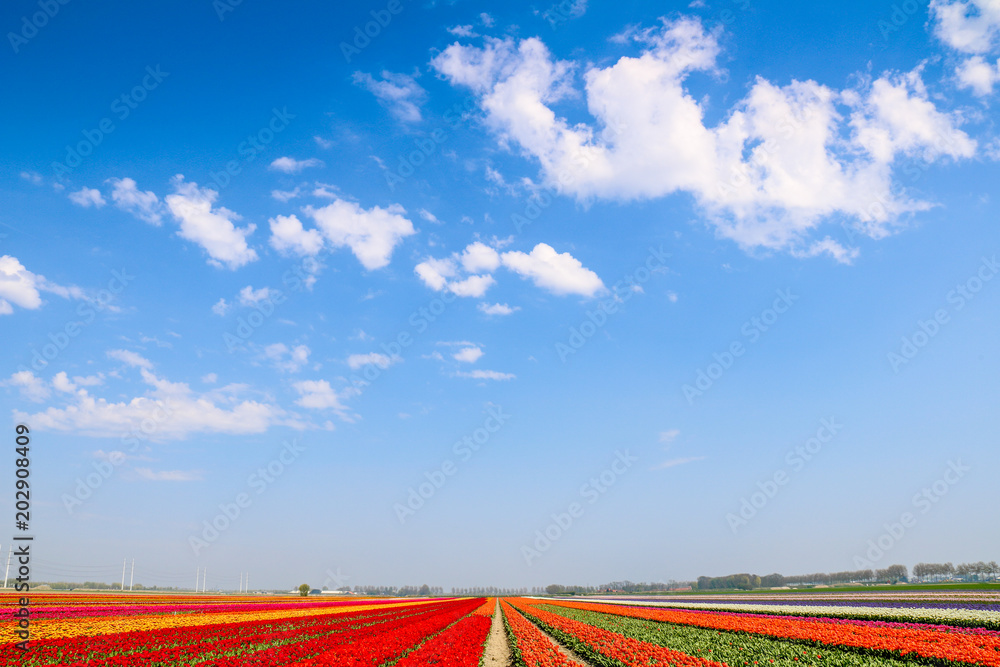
(172, 408)
(210, 227)
(287, 359)
(497, 309)
(31, 387)
(289, 236)
(290, 165)
(399, 93)
(979, 75)
(968, 26)
(144, 205)
(371, 234)
(473, 286)
(87, 197)
(21, 287)
(319, 395)
(772, 170)
(468, 355)
(559, 273)
(479, 257)
(251, 297)
(221, 307)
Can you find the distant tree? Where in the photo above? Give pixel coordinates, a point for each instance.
(304, 590)
(553, 589)
(424, 591)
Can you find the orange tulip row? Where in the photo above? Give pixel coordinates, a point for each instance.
(926, 643)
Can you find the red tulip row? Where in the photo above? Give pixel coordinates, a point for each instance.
(460, 645)
(170, 646)
(600, 644)
(926, 643)
(533, 648)
(374, 647)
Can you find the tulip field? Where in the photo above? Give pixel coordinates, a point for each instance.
(878, 630)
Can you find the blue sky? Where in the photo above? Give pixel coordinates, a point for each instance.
(692, 289)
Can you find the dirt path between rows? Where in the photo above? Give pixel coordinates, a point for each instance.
(567, 653)
(497, 652)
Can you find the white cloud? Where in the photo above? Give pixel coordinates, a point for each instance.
(968, 26)
(211, 228)
(371, 234)
(897, 117)
(559, 273)
(221, 307)
(286, 195)
(21, 287)
(319, 395)
(775, 168)
(435, 272)
(210, 378)
(31, 387)
(61, 382)
(143, 205)
(486, 19)
(979, 75)
(479, 257)
(290, 360)
(325, 191)
(428, 216)
(87, 197)
(486, 375)
(290, 165)
(463, 31)
(133, 359)
(251, 297)
(473, 286)
(468, 355)
(32, 177)
(497, 309)
(288, 235)
(399, 93)
(89, 380)
(170, 475)
(174, 411)
(356, 361)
